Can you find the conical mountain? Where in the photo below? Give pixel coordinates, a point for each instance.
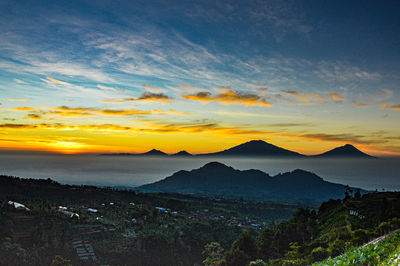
(256, 148)
(346, 151)
(182, 154)
(154, 152)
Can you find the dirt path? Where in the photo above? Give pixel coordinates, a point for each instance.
(379, 239)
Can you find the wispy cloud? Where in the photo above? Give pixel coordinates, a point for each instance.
(250, 114)
(343, 138)
(156, 97)
(37, 113)
(306, 98)
(193, 127)
(198, 127)
(145, 96)
(188, 88)
(108, 88)
(34, 116)
(391, 107)
(17, 100)
(359, 104)
(289, 125)
(376, 98)
(336, 96)
(19, 81)
(26, 108)
(47, 126)
(280, 17)
(229, 96)
(153, 89)
(58, 81)
(72, 111)
(380, 95)
(337, 71)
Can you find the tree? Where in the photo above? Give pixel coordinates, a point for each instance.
(236, 257)
(247, 244)
(319, 253)
(243, 250)
(257, 263)
(337, 247)
(357, 195)
(214, 254)
(12, 253)
(266, 244)
(60, 261)
(360, 236)
(294, 253)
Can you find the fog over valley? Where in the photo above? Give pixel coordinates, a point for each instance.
(131, 171)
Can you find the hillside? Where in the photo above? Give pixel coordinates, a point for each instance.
(218, 179)
(126, 228)
(119, 226)
(384, 251)
(338, 227)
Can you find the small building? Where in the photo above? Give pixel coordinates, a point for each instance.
(18, 206)
(161, 209)
(70, 214)
(256, 226)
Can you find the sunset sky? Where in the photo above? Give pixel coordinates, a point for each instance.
(201, 76)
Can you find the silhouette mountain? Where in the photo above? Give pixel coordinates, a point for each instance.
(345, 151)
(256, 148)
(154, 152)
(260, 148)
(182, 154)
(221, 180)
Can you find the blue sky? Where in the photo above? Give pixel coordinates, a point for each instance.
(305, 74)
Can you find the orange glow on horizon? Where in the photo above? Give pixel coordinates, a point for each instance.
(169, 138)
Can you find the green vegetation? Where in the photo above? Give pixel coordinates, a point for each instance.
(72, 225)
(386, 252)
(310, 236)
(119, 227)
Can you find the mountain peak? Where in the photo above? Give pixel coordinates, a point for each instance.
(215, 166)
(259, 141)
(348, 146)
(257, 148)
(182, 153)
(346, 150)
(154, 152)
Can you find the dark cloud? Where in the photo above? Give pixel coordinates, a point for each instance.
(145, 96)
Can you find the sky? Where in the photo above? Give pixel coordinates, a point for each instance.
(201, 76)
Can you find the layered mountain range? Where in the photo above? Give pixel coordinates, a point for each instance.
(260, 148)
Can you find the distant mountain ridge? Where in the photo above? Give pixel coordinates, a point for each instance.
(260, 148)
(182, 154)
(155, 152)
(216, 178)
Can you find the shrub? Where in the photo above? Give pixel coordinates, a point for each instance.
(319, 253)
